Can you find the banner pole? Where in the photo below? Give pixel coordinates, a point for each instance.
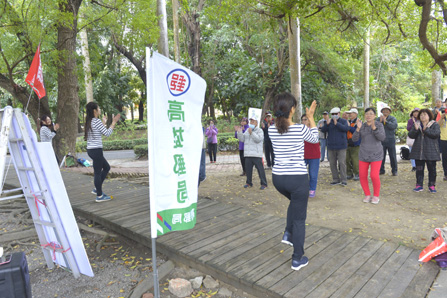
(154, 268)
(26, 108)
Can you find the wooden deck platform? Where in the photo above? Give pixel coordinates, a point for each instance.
(242, 247)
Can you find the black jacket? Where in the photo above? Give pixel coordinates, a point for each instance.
(426, 146)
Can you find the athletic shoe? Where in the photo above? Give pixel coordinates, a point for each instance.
(311, 193)
(418, 188)
(413, 169)
(432, 189)
(356, 178)
(395, 174)
(247, 185)
(287, 238)
(350, 177)
(94, 191)
(344, 184)
(103, 198)
(375, 200)
(335, 183)
(367, 199)
(298, 264)
(263, 187)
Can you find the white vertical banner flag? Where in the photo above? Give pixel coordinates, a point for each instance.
(175, 100)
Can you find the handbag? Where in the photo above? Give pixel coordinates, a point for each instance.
(409, 142)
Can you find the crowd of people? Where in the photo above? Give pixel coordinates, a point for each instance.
(353, 147)
(293, 151)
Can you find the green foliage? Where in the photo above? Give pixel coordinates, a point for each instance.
(113, 145)
(141, 151)
(401, 132)
(227, 143)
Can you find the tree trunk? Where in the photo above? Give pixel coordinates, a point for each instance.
(366, 70)
(295, 68)
(131, 112)
(141, 109)
(87, 68)
(436, 78)
(67, 98)
(192, 23)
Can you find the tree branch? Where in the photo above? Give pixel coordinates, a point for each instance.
(425, 19)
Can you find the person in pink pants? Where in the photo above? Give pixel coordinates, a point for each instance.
(372, 133)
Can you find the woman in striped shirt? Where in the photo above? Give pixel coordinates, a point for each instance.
(289, 172)
(94, 129)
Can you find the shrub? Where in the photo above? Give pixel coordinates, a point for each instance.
(141, 150)
(113, 145)
(401, 133)
(227, 143)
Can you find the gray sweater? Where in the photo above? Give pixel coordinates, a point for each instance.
(371, 146)
(253, 143)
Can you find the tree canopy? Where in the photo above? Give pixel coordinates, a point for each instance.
(239, 47)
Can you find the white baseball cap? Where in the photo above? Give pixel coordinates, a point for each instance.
(354, 110)
(335, 110)
(385, 107)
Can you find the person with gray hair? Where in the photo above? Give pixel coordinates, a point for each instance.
(253, 139)
(337, 143)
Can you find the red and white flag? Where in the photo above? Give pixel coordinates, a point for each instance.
(35, 75)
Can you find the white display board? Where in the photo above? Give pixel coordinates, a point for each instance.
(56, 199)
(255, 113)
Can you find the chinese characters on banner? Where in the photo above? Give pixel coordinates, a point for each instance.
(175, 100)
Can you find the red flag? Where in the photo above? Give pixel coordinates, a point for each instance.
(35, 75)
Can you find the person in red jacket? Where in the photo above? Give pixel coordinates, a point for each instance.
(312, 159)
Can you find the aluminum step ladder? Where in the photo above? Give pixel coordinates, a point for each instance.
(35, 190)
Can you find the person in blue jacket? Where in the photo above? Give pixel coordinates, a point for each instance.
(337, 143)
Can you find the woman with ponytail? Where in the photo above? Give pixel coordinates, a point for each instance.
(290, 176)
(94, 129)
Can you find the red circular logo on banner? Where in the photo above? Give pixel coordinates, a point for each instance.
(178, 82)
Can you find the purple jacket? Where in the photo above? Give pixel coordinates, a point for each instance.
(212, 135)
(410, 124)
(241, 144)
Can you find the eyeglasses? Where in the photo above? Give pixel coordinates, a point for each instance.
(334, 114)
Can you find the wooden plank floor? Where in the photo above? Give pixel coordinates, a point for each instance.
(242, 247)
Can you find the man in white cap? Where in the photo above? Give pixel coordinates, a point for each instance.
(253, 139)
(352, 153)
(390, 125)
(337, 143)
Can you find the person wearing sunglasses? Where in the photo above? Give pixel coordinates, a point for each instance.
(337, 143)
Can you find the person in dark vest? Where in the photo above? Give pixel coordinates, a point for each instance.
(390, 125)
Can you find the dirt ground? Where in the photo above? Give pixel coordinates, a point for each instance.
(402, 216)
